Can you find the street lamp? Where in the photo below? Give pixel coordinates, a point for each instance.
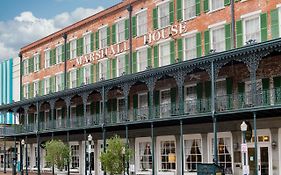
(90, 138)
(243, 128)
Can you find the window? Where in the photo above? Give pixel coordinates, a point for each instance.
(216, 4)
(120, 27)
(87, 43)
(59, 54)
(190, 47)
(167, 153)
(103, 69)
(248, 89)
(164, 18)
(165, 99)
(25, 91)
(190, 99)
(252, 29)
(25, 67)
(73, 52)
(142, 23)
(73, 78)
(47, 85)
(74, 156)
(189, 9)
(143, 154)
(59, 83)
(36, 88)
(35, 157)
(143, 106)
(142, 59)
(87, 74)
(164, 55)
(218, 39)
(193, 153)
(121, 65)
(47, 58)
(103, 37)
(36, 62)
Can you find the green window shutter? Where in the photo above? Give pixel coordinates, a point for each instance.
(155, 18)
(277, 82)
(179, 10)
(265, 91)
(265, 83)
(127, 64)
(208, 89)
(180, 49)
(92, 42)
(78, 47)
(92, 108)
(63, 51)
(54, 56)
(43, 86)
(97, 40)
(68, 79)
(239, 33)
(274, 23)
(81, 76)
(114, 67)
(149, 57)
(114, 110)
(127, 29)
(97, 72)
(40, 88)
(206, 5)
(97, 107)
(229, 85)
(67, 51)
(108, 69)
(277, 90)
(31, 90)
(199, 90)
(157, 103)
(108, 36)
(198, 44)
(241, 87)
(226, 2)
(172, 52)
(135, 62)
(171, 13)
(51, 57)
(113, 33)
(92, 73)
(31, 65)
(156, 58)
(207, 42)
(53, 83)
(135, 105)
(39, 61)
(198, 7)
(81, 46)
(134, 26)
(227, 30)
(263, 21)
(173, 92)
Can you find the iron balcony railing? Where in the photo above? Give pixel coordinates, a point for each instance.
(224, 103)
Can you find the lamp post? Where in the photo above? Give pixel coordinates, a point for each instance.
(90, 138)
(243, 128)
(123, 156)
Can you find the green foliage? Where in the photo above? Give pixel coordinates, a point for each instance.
(58, 153)
(117, 153)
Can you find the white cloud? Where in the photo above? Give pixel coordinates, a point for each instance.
(27, 28)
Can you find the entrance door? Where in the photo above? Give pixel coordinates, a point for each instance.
(263, 159)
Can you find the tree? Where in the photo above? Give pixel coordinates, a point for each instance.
(58, 153)
(116, 155)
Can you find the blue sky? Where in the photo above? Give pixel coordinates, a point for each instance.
(25, 21)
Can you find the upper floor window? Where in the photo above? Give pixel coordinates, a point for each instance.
(190, 99)
(165, 100)
(252, 29)
(190, 47)
(218, 38)
(189, 9)
(121, 65)
(59, 54)
(164, 17)
(36, 88)
(142, 59)
(216, 4)
(87, 43)
(103, 69)
(87, 74)
(25, 90)
(73, 78)
(47, 58)
(73, 52)
(120, 27)
(142, 23)
(25, 67)
(103, 37)
(47, 86)
(59, 82)
(164, 54)
(36, 62)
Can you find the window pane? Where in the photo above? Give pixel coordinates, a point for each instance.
(190, 48)
(216, 4)
(164, 54)
(218, 38)
(103, 69)
(252, 29)
(120, 31)
(168, 155)
(103, 37)
(142, 23)
(189, 9)
(72, 49)
(121, 65)
(145, 156)
(87, 43)
(164, 15)
(142, 59)
(193, 154)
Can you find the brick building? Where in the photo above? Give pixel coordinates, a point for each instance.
(176, 76)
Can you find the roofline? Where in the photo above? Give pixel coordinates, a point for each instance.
(75, 25)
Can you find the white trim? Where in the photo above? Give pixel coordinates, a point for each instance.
(139, 140)
(120, 54)
(165, 40)
(71, 69)
(73, 38)
(36, 53)
(161, 2)
(48, 76)
(140, 11)
(190, 85)
(244, 25)
(120, 19)
(278, 5)
(193, 32)
(86, 33)
(59, 44)
(103, 26)
(250, 14)
(59, 73)
(35, 80)
(47, 49)
(85, 65)
(279, 18)
(217, 24)
(142, 47)
(142, 94)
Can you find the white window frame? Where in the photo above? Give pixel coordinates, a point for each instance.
(160, 54)
(45, 85)
(73, 51)
(190, 102)
(138, 22)
(119, 22)
(192, 137)
(250, 16)
(60, 82)
(104, 28)
(34, 85)
(159, 11)
(159, 139)
(123, 55)
(100, 71)
(71, 72)
(36, 62)
(78, 155)
(279, 18)
(211, 6)
(47, 55)
(87, 46)
(25, 67)
(59, 54)
(85, 81)
(137, 153)
(184, 46)
(211, 36)
(26, 90)
(183, 10)
(139, 58)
